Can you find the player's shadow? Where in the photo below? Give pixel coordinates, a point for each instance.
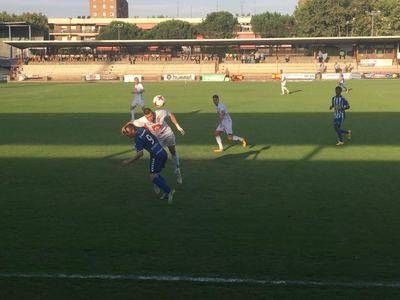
(249, 155)
(295, 91)
(113, 155)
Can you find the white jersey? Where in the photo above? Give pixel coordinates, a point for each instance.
(225, 124)
(159, 127)
(138, 94)
(222, 109)
(283, 80)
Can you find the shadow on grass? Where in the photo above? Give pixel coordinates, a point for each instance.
(233, 215)
(259, 128)
(295, 91)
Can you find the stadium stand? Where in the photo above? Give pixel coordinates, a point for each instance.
(77, 72)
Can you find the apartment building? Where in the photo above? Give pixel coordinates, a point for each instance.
(78, 29)
(109, 9)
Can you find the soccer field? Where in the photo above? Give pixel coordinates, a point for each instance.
(289, 216)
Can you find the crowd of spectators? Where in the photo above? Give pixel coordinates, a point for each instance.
(343, 68)
(116, 57)
(70, 58)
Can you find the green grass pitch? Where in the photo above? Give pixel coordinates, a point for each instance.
(291, 206)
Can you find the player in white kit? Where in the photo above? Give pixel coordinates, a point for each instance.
(155, 122)
(138, 100)
(224, 125)
(284, 89)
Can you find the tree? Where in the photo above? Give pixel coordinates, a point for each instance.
(173, 29)
(360, 15)
(219, 25)
(120, 30)
(38, 20)
(321, 18)
(388, 21)
(271, 25)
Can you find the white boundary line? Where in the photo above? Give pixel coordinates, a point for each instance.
(167, 278)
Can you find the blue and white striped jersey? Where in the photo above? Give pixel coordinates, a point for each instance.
(339, 105)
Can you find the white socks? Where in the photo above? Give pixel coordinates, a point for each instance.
(237, 138)
(219, 142)
(175, 159)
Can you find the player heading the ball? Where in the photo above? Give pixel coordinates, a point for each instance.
(143, 139)
(156, 123)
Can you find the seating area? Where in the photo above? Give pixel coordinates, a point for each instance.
(154, 71)
(77, 72)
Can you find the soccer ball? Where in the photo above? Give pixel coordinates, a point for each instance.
(158, 101)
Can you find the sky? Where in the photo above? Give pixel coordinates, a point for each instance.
(148, 8)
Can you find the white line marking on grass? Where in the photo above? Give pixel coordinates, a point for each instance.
(304, 283)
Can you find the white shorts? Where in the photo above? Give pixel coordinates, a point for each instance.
(225, 126)
(138, 101)
(167, 141)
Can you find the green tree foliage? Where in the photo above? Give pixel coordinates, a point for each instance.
(321, 18)
(389, 17)
(125, 31)
(361, 20)
(219, 25)
(339, 17)
(271, 25)
(173, 29)
(37, 19)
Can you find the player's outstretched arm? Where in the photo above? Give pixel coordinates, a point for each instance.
(133, 159)
(173, 120)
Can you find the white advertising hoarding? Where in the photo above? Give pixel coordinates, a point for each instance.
(300, 76)
(335, 76)
(376, 62)
(179, 77)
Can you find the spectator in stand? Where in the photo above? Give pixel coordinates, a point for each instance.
(342, 54)
(337, 68)
(320, 56)
(349, 67)
(325, 57)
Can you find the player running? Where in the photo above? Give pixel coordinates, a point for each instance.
(155, 122)
(284, 89)
(138, 100)
(145, 140)
(224, 125)
(341, 82)
(339, 105)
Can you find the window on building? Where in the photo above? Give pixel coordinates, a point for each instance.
(111, 14)
(104, 14)
(104, 6)
(95, 14)
(94, 5)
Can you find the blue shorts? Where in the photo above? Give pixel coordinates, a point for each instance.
(337, 122)
(157, 162)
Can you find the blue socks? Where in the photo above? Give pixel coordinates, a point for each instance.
(162, 184)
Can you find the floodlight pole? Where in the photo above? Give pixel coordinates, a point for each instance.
(70, 20)
(119, 26)
(9, 38)
(373, 14)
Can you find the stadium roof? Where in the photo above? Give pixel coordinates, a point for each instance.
(207, 42)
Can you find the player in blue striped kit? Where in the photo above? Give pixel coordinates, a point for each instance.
(339, 105)
(145, 140)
